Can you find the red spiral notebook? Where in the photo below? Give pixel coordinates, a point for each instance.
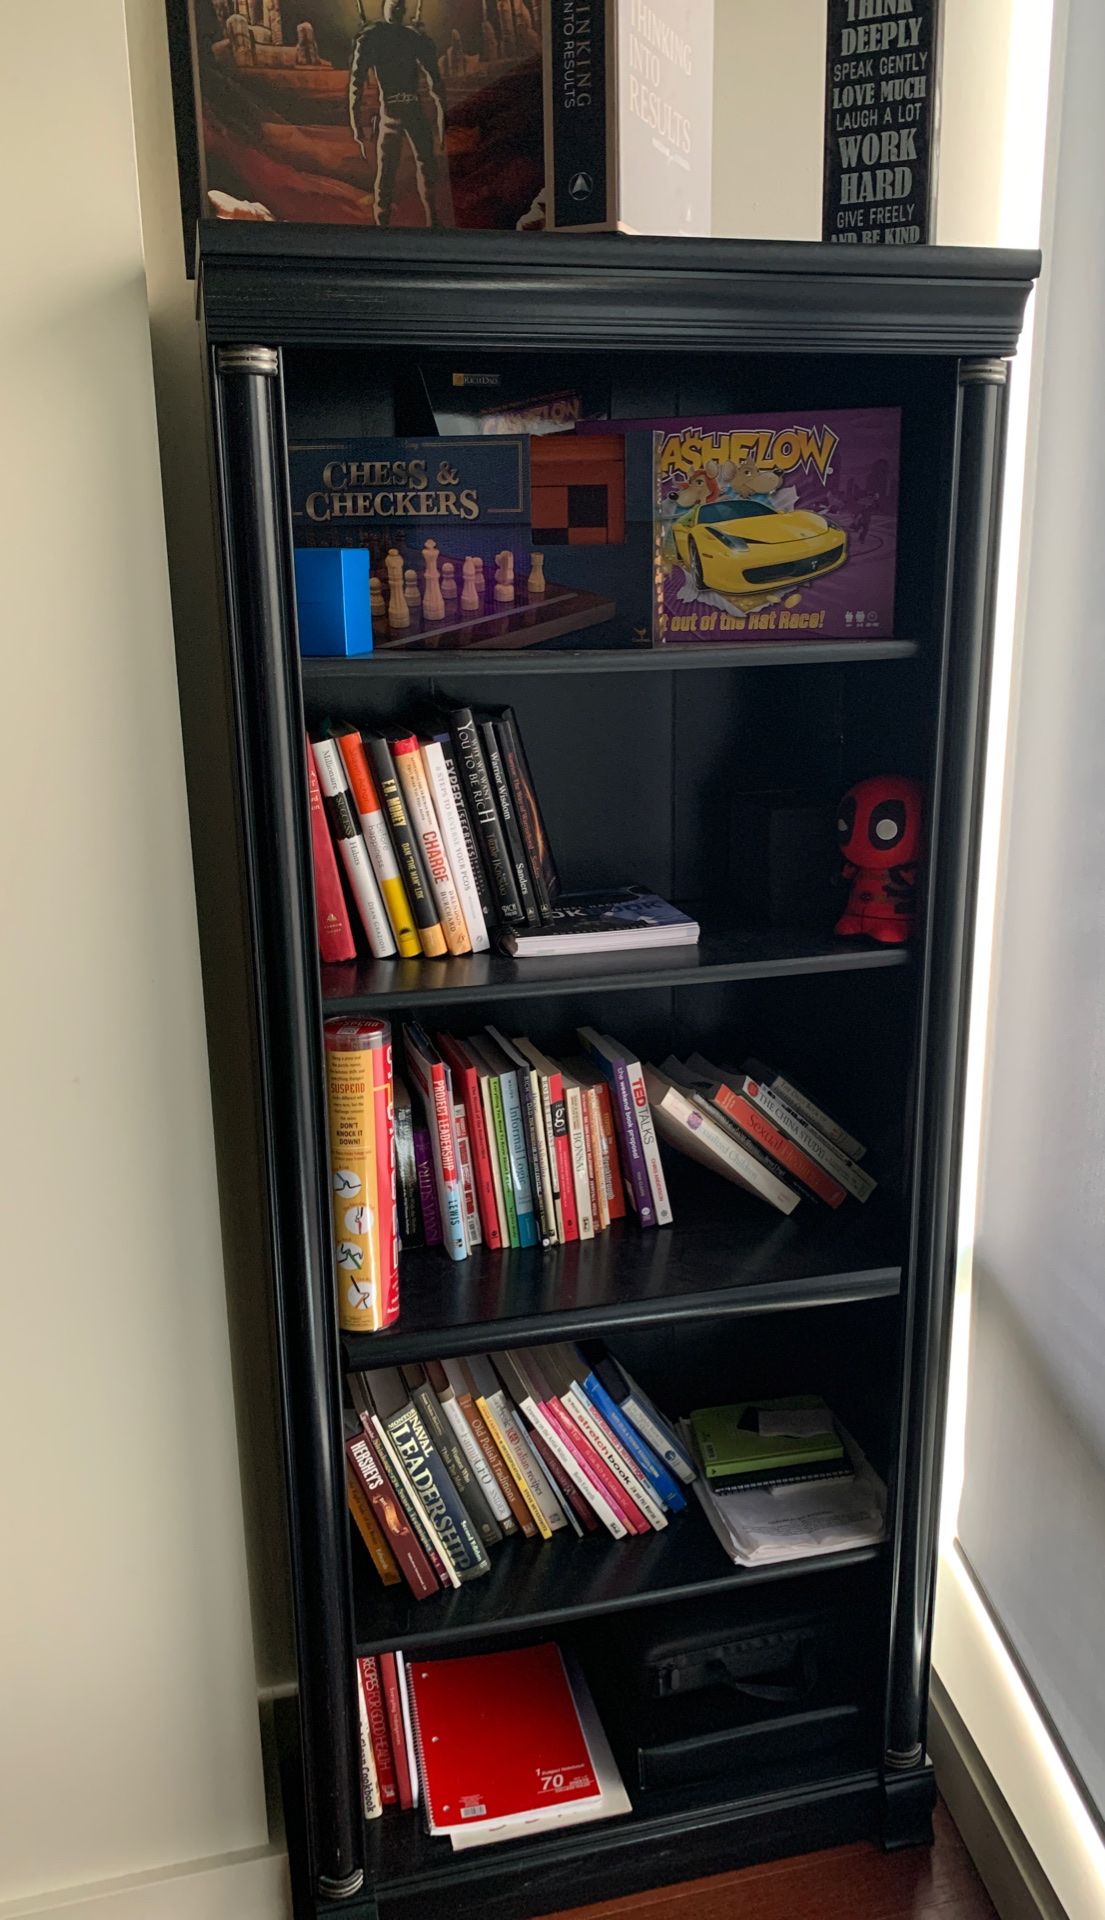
(508, 1742)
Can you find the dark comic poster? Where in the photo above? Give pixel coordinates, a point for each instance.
(405, 113)
(880, 122)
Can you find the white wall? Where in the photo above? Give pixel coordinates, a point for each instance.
(128, 1735)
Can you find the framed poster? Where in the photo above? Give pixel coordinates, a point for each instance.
(881, 84)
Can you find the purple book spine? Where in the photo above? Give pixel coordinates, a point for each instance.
(614, 1072)
(427, 1189)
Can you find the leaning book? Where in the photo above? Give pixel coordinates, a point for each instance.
(607, 922)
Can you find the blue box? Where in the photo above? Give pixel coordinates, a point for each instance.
(331, 590)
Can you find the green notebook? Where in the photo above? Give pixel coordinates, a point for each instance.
(733, 1452)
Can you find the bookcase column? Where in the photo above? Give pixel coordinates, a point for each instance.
(249, 427)
(948, 945)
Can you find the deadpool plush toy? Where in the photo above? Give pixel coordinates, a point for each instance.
(879, 830)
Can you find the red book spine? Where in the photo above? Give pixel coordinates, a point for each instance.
(365, 1462)
(394, 1710)
(335, 937)
(595, 1467)
(562, 1147)
(469, 1083)
(615, 1192)
(787, 1152)
(563, 1482)
(378, 1728)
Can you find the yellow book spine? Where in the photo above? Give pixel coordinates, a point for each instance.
(399, 913)
(352, 1128)
(507, 1452)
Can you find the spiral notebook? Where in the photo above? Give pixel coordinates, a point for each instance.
(509, 1744)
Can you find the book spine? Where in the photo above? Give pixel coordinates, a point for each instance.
(468, 1080)
(431, 1078)
(335, 939)
(691, 1130)
(501, 1516)
(456, 1465)
(456, 852)
(365, 1522)
(749, 1120)
(387, 1505)
(581, 1184)
(526, 811)
(615, 1192)
(502, 1150)
(483, 1082)
(476, 781)
(658, 1438)
(387, 1211)
(408, 852)
(351, 1118)
(801, 1104)
(549, 1139)
(604, 1493)
(576, 1504)
(483, 892)
(537, 1154)
(412, 1506)
(600, 1196)
(504, 1479)
(408, 1725)
(625, 1120)
(427, 1188)
(564, 1440)
(420, 811)
(858, 1183)
(519, 865)
(622, 1466)
(372, 1805)
(594, 1173)
(519, 1162)
(378, 842)
(657, 1475)
(580, 168)
(406, 1178)
(393, 1708)
(378, 1727)
(562, 1144)
(650, 1146)
(457, 1539)
(473, 1232)
(352, 849)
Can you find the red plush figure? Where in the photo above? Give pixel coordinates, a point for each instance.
(879, 830)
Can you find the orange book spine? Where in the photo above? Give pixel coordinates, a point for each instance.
(365, 1521)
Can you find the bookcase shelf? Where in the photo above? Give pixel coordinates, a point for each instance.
(725, 1254)
(371, 986)
(533, 1585)
(321, 677)
(639, 754)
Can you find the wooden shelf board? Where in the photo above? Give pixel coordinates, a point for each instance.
(325, 676)
(358, 986)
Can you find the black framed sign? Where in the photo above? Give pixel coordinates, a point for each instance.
(881, 83)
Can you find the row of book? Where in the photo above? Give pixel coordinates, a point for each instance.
(439, 834)
(443, 1462)
(448, 1736)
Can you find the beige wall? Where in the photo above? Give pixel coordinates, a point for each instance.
(128, 1729)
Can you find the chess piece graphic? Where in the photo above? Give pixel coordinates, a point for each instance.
(399, 614)
(504, 575)
(448, 580)
(469, 597)
(536, 581)
(376, 601)
(479, 574)
(433, 604)
(410, 588)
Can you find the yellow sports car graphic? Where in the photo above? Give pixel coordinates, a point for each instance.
(745, 547)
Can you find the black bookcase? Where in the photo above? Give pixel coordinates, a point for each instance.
(638, 755)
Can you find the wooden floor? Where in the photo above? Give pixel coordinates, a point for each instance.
(848, 1883)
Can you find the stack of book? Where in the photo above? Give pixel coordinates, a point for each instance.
(445, 1462)
(441, 841)
(757, 1129)
(494, 1746)
(439, 834)
(510, 1148)
(781, 1480)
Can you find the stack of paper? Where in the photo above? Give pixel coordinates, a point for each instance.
(764, 1524)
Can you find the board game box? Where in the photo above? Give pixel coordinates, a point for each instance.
(775, 525)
